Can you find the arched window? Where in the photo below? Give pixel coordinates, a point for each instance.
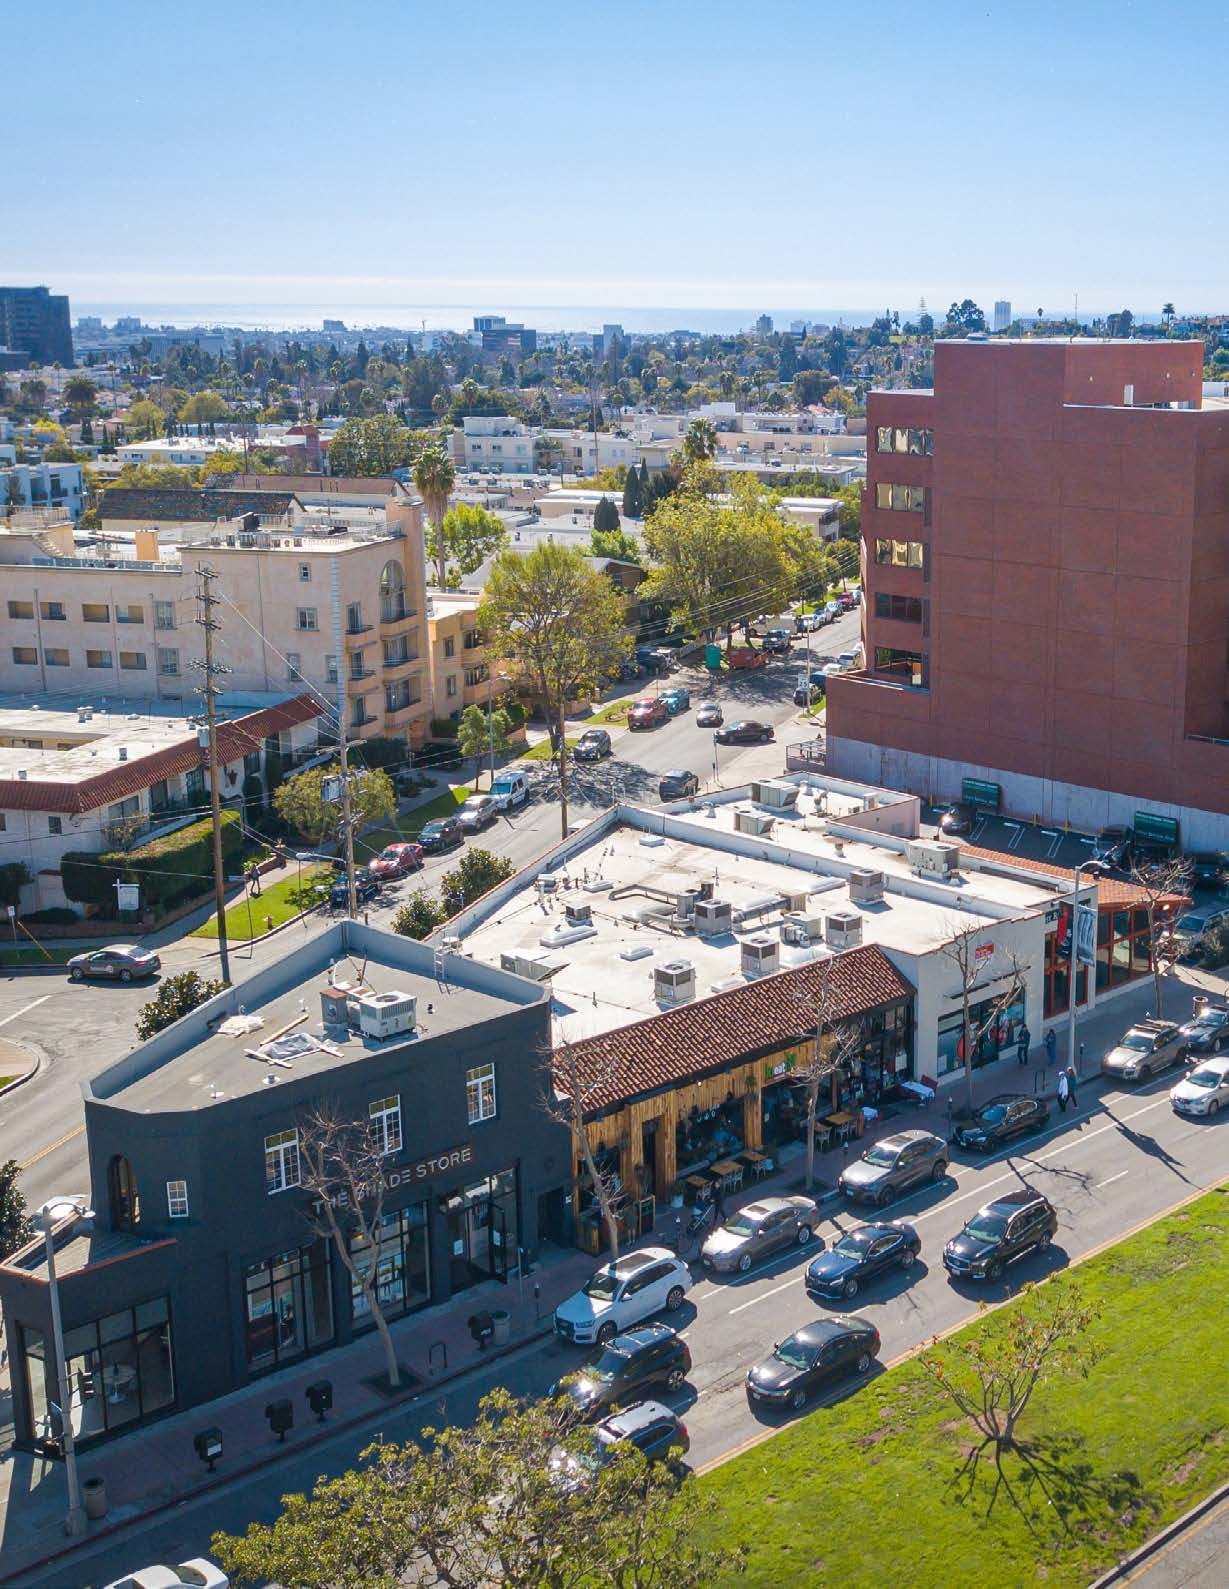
(392, 592)
(122, 1189)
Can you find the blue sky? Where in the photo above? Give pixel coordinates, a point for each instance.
(722, 154)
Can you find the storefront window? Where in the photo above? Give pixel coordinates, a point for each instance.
(34, 1352)
(1057, 973)
(288, 1306)
(120, 1369)
(482, 1230)
(1124, 946)
(993, 1033)
(403, 1271)
(708, 1134)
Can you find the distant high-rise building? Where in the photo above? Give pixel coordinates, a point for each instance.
(333, 328)
(798, 328)
(488, 322)
(36, 322)
(1002, 313)
(129, 325)
(612, 333)
(90, 324)
(764, 325)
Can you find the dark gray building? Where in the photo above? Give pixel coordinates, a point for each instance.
(36, 322)
(202, 1270)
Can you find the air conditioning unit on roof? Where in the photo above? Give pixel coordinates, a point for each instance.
(761, 956)
(775, 792)
(934, 857)
(866, 886)
(674, 982)
(713, 917)
(843, 929)
(758, 824)
(383, 1015)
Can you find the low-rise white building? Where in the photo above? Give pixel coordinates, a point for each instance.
(57, 487)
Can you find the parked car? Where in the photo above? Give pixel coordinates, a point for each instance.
(809, 690)
(1207, 1032)
(1014, 1224)
(829, 668)
(849, 660)
(832, 611)
(847, 600)
(511, 788)
(807, 1360)
(957, 820)
(710, 715)
(478, 812)
(745, 732)
(1193, 926)
(807, 622)
(622, 1293)
(1204, 1091)
(1209, 868)
(761, 1228)
(647, 712)
(626, 1366)
(777, 641)
(592, 745)
(648, 1425)
(195, 1573)
(1143, 1050)
(999, 1119)
(441, 834)
(121, 962)
(678, 785)
(892, 1165)
(860, 1255)
(366, 887)
(677, 699)
(395, 860)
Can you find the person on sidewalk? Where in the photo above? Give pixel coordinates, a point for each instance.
(1071, 1085)
(1064, 1087)
(718, 1204)
(1024, 1039)
(1051, 1046)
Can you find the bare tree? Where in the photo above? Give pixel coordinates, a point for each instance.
(834, 1047)
(973, 962)
(341, 1166)
(1164, 884)
(573, 1091)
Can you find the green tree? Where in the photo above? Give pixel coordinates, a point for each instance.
(419, 916)
(435, 475)
(480, 735)
(145, 419)
(466, 536)
(372, 446)
(847, 559)
(80, 394)
(155, 477)
(300, 800)
(177, 996)
(558, 622)
(614, 543)
(14, 875)
(700, 441)
(633, 495)
(474, 874)
(205, 408)
(16, 1227)
(964, 317)
(1168, 313)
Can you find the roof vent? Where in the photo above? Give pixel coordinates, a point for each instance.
(674, 982)
(21, 773)
(536, 967)
(761, 956)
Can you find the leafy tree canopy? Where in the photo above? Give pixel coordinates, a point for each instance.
(300, 800)
(373, 446)
(467, 535)
(177, 996)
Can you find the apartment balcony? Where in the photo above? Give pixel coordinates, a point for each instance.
(356, 674)
(391, 664)
(395, 610)
(362, 722)
(359, 628)
(398, 716)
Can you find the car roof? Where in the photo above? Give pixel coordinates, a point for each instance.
(1013, 1202)
(837, 1325)
(678, 772)
(629, 1263)
(123, 949)
(902, 1139)
(638, 1416)
(643, 1335)
(592, 733)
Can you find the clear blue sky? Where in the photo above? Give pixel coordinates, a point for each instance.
(645, 152)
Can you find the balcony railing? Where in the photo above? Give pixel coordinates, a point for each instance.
(359, 628)
(395, 609)
(361, 673)
(402, 661)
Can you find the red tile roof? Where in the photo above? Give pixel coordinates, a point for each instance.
(1110, 890)
(727, 1028)
(236, 738)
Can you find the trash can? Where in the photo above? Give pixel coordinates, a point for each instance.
(94, 1493)
(502, 1321)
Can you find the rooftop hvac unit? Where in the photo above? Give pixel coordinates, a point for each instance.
(843, 929)
(801, 929)
(686, 902)
(775, 792)
(761, 956)
(535, 967)
(865, 885)
(713, 917)
(577, 914)
(757, 823)
(674, 982)
(934, 857)
(387, 1014)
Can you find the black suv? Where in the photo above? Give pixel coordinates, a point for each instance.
(1016, 1223)
(678, 785)
(626, 1366)
(441, 834)
(366, 888)
(1000, 1119)
(592, 745)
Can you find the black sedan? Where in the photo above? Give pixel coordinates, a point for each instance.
(442, 834)
(745, 732)
(999, 1119)
(860, 1255)
(1208, 1031)
(678, 785)
(958, 819)
(805, 1361)
(366, 887)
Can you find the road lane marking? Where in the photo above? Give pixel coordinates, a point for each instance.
(764, 1295)
(17, 1014)
(52, 1146)
(1111, 1180)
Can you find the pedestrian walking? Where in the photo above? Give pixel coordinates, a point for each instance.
(1051, 1046)
(1064, 1087)
(719, 1204)
(1024, 1039)
(1071, 1085)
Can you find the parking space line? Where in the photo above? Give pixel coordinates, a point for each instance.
(764, 1295)
(17, 1014)
(1111, 1180)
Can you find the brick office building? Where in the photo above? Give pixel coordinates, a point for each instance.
(1045, 544)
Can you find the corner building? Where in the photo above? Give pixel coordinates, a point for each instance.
(1045, 550)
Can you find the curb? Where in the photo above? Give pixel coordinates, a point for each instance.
(1171, 1531)
(32, 971)
(29, 1075)
(278, 1451)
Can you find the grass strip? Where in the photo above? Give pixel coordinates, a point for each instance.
(279, 900)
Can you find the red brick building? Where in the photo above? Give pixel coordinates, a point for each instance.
(1045, 550)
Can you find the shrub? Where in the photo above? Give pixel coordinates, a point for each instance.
(475, 873)
(53, 916)
(253, 795)
(177, 996)
(167, 869)
(14, 875)
(382, 751)
(515, 711)
(443, 728)
(419, 916)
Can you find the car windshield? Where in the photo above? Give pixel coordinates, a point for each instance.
(852, 1245)
(603, 1286)
(1191, 922)
(1136, 1040)
(986, 1227)
(794, 1354)
(591, 738)
(607, 1365)
(992, 1113)
(740, 1225)
(1204, 1078)
(880, 1154)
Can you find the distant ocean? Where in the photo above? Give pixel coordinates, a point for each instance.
(458, 317)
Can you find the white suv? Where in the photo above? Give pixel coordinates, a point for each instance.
(623, 1293)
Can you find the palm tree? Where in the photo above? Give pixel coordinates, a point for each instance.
(435, 475)
(79, 394)
(700, 442)
(1167, 315)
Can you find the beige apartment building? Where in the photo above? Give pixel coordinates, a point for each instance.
(459, 669)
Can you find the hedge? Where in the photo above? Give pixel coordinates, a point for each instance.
(167, 869)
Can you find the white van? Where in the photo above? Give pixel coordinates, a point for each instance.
(510, 789)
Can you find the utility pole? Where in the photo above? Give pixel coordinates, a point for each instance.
(206, 600)
(347, 826)
(490, 724)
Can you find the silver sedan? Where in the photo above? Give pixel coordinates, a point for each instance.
(762, 1227)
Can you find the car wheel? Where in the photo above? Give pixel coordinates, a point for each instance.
(125, 976)
(850, 1288)
(674, 1299)
(864, 1363)
(606, 1333)
(675, 1378)
(798, 1400)
(939, 1171)
(804, 1235)
(908, 1258)
(994, 1271)
(884, 1197)
(1213, 1106)
(77, 974)
(744, 1263)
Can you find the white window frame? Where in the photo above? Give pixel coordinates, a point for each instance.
(168, 661)
(481, 1102)
(177, 1199)
(305, 573)
(385, 1117)
(281, 1161)
(305, 620)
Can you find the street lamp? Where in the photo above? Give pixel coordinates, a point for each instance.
(49, 1218)
(1094, 867)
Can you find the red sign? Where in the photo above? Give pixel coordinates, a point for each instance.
(984, 951)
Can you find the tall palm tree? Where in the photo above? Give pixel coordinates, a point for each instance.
(435, 475)
(1167, 315)
(700, 441)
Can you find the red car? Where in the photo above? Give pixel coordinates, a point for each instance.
(647, 713)
(395, 860)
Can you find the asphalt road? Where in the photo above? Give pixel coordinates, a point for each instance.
(78, 1029)
(1120, 1162)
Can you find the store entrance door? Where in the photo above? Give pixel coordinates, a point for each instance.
(481, 1230)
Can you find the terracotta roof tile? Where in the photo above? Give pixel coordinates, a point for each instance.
(184, 505)
(681, 1044)
(1110, 890)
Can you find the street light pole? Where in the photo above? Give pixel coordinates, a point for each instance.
(49, 1216)
(1075, 968)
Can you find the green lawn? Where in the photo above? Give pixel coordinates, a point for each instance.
(614, 712)
(279, 900)
(863, 1493)
(411, 824)
(28, 954)
(541, 751)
